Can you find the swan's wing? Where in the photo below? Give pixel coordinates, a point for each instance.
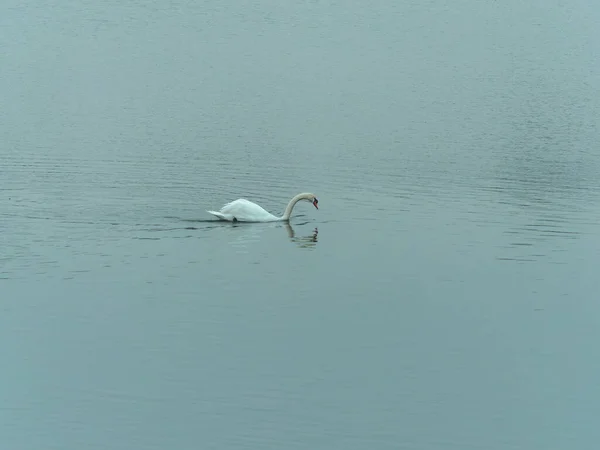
(227, 217)
(241, 204)
(243, 207)
(246, 211)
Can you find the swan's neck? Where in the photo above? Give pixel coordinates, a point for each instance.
(291, 204)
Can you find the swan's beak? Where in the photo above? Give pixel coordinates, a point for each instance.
(316, 202)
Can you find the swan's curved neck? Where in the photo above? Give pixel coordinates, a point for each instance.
(291, 204)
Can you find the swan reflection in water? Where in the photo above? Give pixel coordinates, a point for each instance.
(309, 241)
(252, 233)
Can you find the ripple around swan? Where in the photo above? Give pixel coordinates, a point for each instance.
(80, 196)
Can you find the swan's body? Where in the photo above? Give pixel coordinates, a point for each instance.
(242, 210)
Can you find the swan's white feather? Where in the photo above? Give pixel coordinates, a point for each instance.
(220, 216)
(244, 210)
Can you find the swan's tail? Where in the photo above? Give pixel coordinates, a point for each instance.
(219, 215)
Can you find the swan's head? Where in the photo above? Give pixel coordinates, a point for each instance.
(304, 197)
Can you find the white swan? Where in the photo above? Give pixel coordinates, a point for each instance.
(242, 210)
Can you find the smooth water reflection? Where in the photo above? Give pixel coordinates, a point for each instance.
(309, 241)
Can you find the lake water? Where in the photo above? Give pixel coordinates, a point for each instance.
(444, 295)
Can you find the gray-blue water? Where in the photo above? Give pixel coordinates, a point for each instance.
(444, 296)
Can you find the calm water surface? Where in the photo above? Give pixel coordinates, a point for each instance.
(445, 294)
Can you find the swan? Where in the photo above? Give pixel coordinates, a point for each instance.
(242, 210)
